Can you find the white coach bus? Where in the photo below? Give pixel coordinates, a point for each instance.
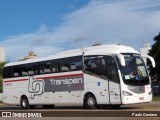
(100, 75)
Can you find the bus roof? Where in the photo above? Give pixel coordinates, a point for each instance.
(101, 49)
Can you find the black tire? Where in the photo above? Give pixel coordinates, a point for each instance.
(24, 103)
(90, 102)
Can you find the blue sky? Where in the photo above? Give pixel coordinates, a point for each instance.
(25, 16)
(51, 26)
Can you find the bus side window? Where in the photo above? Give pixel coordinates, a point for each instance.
(64, 64)
(112, 69)
(6, 72)
(33, 69)
(29, 69)
(47, 66)
(95, 65)
(16, 71)
(78, 65)
(16, 74)
(47, 70)
(41, 69)
(64, 68)
(30, 72)
(24, 73)
(54, 69)
(73, 67)
(71, 64)
(54, 66)
(44, 68)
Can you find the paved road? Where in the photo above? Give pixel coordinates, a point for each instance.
(61, 112)
(153, 106)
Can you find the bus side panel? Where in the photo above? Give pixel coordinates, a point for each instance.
(54, 97)
(70, 97)
(39, 99)
(11, 88)
(98, 86)
(14, 88)
(9, 98)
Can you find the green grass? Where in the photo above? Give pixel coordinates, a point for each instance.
(156, 98)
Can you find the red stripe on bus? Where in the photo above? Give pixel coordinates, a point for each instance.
(16, 80)
(60, 76)
(40, 78)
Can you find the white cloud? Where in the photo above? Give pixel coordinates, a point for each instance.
(42, 28)
(126, 22)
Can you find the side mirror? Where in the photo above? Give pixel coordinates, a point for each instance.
(121, 59)
(150, 58)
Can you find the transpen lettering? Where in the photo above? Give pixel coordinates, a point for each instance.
(66, 81)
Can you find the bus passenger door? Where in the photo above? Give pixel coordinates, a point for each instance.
(113, 82)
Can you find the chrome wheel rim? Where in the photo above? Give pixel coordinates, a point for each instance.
(91, 101)
(24, 104)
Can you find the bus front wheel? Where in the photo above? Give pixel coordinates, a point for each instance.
(24, 103)
(90, 102)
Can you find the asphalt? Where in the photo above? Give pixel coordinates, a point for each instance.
(78, 113)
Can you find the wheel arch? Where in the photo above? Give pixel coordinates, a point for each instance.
(24, 96)
(89, 93)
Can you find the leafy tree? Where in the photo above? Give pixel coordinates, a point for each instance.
(1, 73)
(1, 67)
(155, 53)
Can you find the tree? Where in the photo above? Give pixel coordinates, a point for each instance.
(1, 73)
(1, 67)
(155, 53)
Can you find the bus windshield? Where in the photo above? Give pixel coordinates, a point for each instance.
(135, 72)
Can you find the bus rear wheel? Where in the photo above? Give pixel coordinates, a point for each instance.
(24, 103)
(90, 102)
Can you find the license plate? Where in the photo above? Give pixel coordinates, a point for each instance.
(141, 98)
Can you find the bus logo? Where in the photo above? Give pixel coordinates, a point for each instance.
(35, 87)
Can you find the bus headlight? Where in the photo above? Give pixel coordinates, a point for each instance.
(150, 93)
(125, 93)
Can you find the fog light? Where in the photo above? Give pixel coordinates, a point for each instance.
(150, 93)
(125, 93)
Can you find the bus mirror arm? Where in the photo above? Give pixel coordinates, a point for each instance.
(121, 59)
(150, 58)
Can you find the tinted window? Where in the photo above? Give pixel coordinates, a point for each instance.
(6, 72)
(96, 65)
(29, 69)
(47, 67)
(135, 71)
(101, 66)
(16, 71)
(112, 69)
(44, 67)
(71, 64)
